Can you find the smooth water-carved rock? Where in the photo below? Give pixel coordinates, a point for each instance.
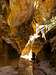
(21, 11)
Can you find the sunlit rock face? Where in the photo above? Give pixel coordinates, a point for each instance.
(45, 10)
(45, 7)
(21, 35)
(35, 46)
(18, 20)
(21, 10)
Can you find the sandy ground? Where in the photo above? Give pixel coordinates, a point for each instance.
(25, 67)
